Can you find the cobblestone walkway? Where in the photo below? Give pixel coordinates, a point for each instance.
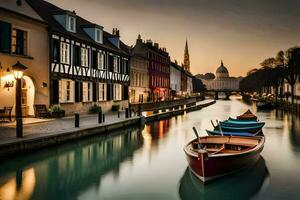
(8, 130)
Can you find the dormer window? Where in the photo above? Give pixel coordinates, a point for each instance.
(98, 37)
(67, 19)
(95, 32)
(71, 24)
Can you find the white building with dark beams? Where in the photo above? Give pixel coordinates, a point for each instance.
(87, 64)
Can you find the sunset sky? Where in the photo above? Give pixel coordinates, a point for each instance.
(240, 32)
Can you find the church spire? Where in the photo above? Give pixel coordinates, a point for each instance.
(186, 59)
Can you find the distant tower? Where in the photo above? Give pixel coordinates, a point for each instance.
(186, 60)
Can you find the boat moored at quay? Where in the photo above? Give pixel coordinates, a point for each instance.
(211, 157)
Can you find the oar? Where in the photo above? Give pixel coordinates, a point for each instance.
(220, 127)
(197, 135)
(212, 123)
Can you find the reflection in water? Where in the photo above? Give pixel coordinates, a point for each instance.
(242, 185)
(19, 187)
(72, 168)
(131, 165)
(295, 131)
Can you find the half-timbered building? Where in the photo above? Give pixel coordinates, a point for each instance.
(87, 64)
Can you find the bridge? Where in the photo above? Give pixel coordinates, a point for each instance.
(227, 93)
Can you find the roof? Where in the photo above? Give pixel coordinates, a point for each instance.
(176, 66)
(47, 10)
(22, 9)
(222, 69)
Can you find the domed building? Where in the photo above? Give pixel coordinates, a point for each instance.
(223, 81)
(222, 71)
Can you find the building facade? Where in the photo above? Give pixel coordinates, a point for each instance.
(158, 68)
(24, 39)
(139, 84)
(175, 79)
(87, 64)
(223, 81)
(189, 84)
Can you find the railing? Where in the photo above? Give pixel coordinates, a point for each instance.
(155, 106)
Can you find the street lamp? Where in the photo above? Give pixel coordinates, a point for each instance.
(18, 70)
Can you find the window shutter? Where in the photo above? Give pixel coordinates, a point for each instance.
(108, 96)
(55, 50)
(5, 37)
(125, 92)
(111, 63)
(94, 60)
(80, 91)
(54, 96)
(95, 89)
(77, 91)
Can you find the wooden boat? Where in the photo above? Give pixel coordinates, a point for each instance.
(248, 115)
(239, 120)
(211, 157)
(243, 134)
(262, 105)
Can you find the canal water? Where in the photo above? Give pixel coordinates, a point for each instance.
(150, 163)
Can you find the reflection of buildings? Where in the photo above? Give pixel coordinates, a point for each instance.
(223, 81)
(21, 187)
(24, 38)
(74, 167)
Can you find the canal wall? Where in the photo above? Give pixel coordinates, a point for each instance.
(174, 112)
(34, 142)
(163, 105)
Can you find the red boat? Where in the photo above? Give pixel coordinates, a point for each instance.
(216, 156)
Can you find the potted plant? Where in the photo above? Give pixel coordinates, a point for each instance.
(57, 111)
(115, 108)
(95, 109)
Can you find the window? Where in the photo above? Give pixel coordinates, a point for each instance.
(98, 36)
(84, 57)
(64, 53)
(71, 24)
(19, 42)
(55, 50)
(66, 91)
(76, 55)
(117, 92)
(101, 60)
(5, 37)
(102, 92)
(87, 91)
(116, 67)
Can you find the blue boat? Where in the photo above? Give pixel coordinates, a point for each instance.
(249, 129)
(253, 128)
(241, 124)
(218, 133)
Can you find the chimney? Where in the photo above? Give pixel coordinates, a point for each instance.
(149, 42)
(156, 45)
(116, 32)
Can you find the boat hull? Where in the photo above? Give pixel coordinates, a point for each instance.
(207, 168)
(242, 134)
